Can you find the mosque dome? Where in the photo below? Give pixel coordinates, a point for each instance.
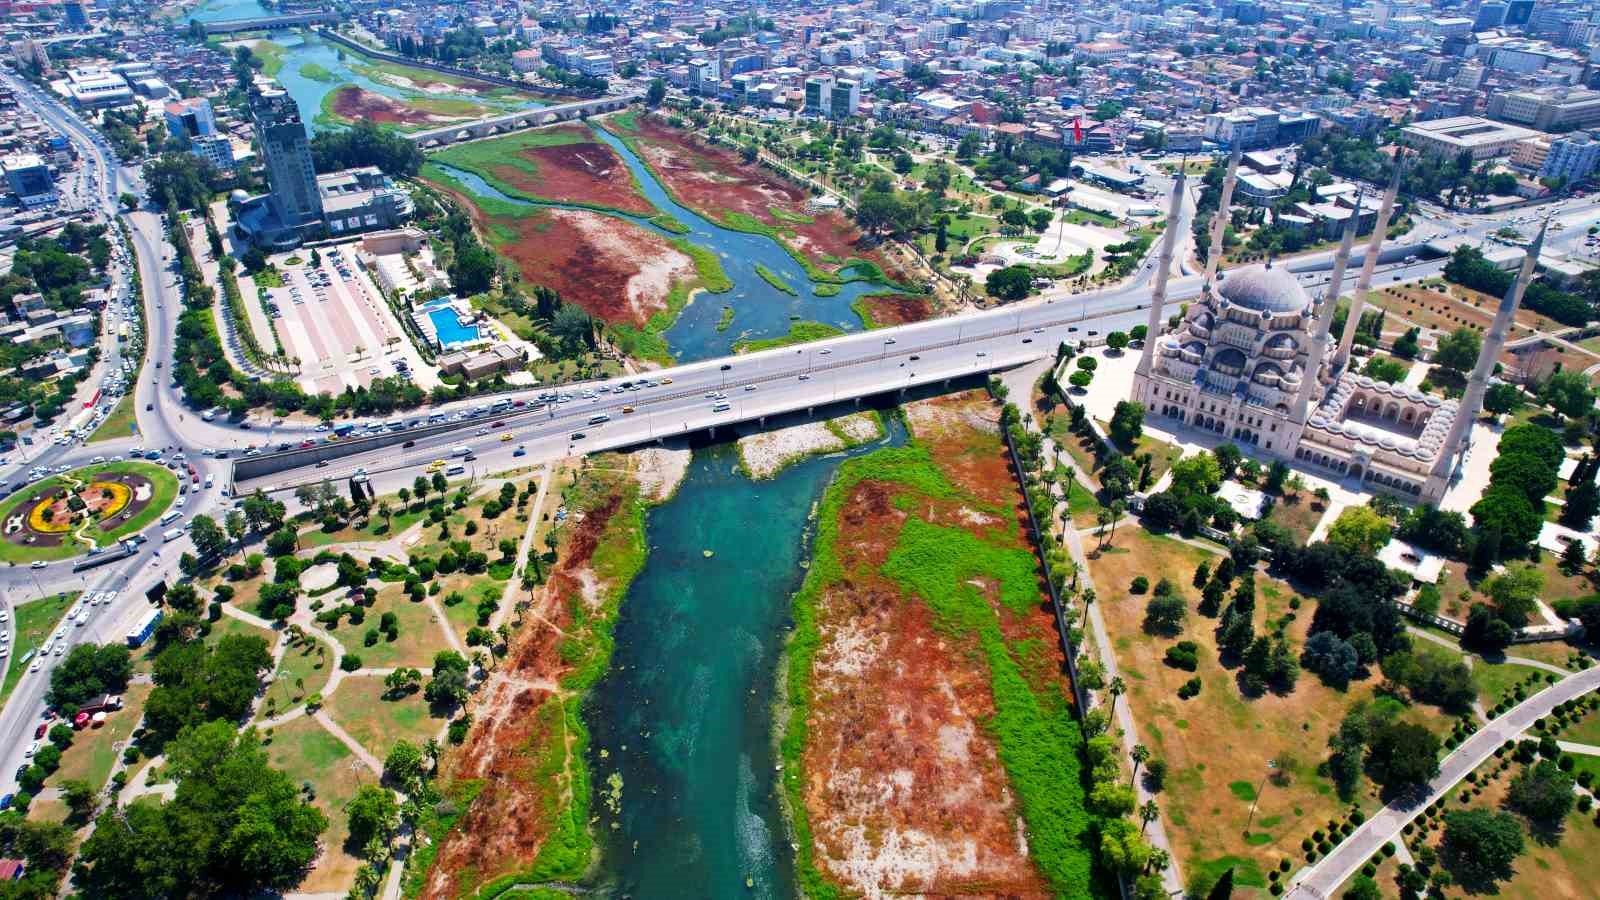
(1266, 290)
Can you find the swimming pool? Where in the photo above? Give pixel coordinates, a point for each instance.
(447, 327)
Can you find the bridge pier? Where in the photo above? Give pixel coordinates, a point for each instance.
(858, 401)
(811, 410)
(762, 421)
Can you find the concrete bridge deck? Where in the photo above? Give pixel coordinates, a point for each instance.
(518, 121)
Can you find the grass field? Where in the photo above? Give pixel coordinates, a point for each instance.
(31, 623)
(119, 424)
(301, 673)
(360, 708)
(308, 754)
(164, 485)
(420, 636)
(799, 333)
(1218, 745)
(95, 751)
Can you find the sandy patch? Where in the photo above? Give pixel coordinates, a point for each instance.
(767, 453)
(317, 578)
(661, 470)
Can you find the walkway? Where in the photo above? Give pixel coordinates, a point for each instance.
(1323, 879)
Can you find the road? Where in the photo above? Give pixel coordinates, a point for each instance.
(1321, 880)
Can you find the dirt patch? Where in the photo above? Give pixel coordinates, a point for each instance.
(585, 171)
(616, 270)
(519, 744)
(661, 470)
(897, 309)
(354, 103)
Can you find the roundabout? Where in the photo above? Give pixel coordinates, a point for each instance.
(69, 514)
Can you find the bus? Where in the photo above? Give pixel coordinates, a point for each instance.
(395, 425)
(599, 418)
(500, 406)
(344, 429)
(456, 469)
(171, 516)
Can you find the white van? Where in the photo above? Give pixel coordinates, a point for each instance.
(456, 470)
(171, 516)
(461, 451)
(599, 418)
(171, 534)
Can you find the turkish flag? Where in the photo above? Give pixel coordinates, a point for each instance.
(1077, 130)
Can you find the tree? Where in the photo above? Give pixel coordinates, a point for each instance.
(196, 683)
(1543, 793)
(403, 766)
(374, 815)
(1515, 592)
(1502, 398)
(1479, 846)
(88, 671)
(1009, 283)
(448, 686)
(233, 820)
(209, 538)
(1331, 658)
(1362, 888)
(655, 93)
(1122, 847)
(365, 143)
(79, 797)
(1568, 393)
(1165, 615)
(1402, 756)
(1360, 529)
(1458, 350)
(1198, 474)
(1127, 423)
(1223, 889)
(1117, 340)
(1506, 514)
(1485, 631)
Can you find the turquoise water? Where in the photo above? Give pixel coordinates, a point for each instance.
(448, 328)
(685, 714)
(760, 310)
(303, 47)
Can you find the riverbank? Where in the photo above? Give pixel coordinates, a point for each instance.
(766, 453)
(928, 741)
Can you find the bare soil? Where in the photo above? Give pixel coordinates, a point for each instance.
(587, 171)
(517, 717)
(904, 790)
(898, 309)
(356, 103)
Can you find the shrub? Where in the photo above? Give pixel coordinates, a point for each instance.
(1184, 655)
(350, 662)
(1189, 689)
(1140, 584)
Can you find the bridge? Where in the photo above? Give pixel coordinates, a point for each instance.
(271, 23)
(519, 121)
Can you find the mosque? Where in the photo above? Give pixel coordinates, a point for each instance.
(1253, 361)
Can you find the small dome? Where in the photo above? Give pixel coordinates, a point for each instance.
(1229, 360)
(1266, 290)
(238, 196)
(1281, 342)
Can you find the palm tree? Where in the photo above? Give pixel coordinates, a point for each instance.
(1148, 813)
(1117, 509)
(1140, 755)
(1159, 860)
(1117, 688)
(1103, 517)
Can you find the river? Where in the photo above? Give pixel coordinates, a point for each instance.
(685, 714)
(302, 48)
(760, 310)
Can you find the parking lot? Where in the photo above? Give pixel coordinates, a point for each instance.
(332, 319)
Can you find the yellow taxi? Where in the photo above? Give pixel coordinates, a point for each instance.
(505, 437)
(666, 381)
(627, 409)
(436, 465)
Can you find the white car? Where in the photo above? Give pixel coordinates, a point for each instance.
(34, 667)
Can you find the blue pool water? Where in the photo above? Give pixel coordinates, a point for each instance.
(447, 325)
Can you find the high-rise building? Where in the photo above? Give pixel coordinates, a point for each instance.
(1491, 14)
(29, 179)
(189, 118)
(1574, 157)
(77, 16)
(819, 96)
(287, 153)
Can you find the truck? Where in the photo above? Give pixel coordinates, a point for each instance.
(145, 627)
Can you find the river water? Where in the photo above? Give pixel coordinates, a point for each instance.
(760, 310)
(302, 47)
(685, 714)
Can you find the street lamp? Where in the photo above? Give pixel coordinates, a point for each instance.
(1271, 765)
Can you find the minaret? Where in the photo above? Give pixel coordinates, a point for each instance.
(1472, 402)
(1330, 303)
(1369, 264)
(1219, 222)
(1158, 297)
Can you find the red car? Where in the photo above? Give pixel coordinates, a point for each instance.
(307, 443)
(194, 479)
(38, 733)
(80, 720)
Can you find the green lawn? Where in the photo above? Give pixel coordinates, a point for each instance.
(165, 486)
(360, 708)
(300, 663)
(799, 333)
(420, 637)
(309, 755)
(119, 424)
(1497, 681)
(94, 751)
(32, 622)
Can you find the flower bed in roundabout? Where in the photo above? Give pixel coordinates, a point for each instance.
(63, 515)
